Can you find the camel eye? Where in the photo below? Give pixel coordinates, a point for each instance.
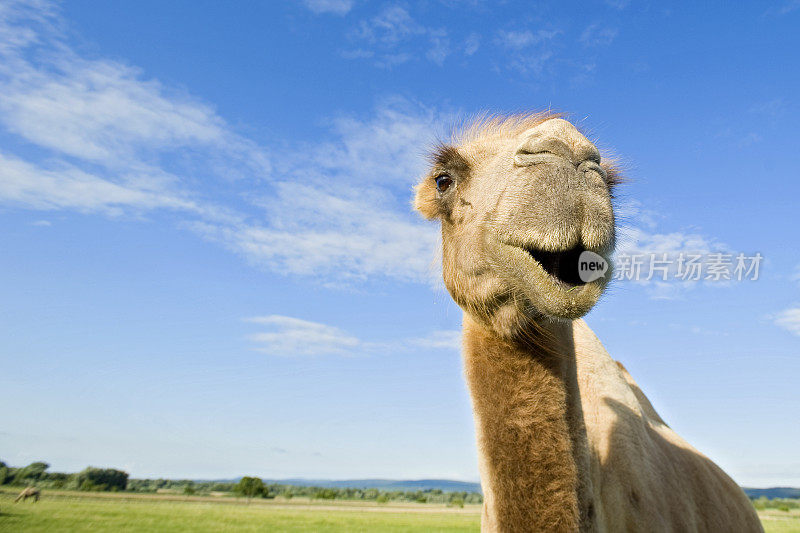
(443, 182)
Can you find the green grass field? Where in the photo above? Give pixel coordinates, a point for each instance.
(75, 511)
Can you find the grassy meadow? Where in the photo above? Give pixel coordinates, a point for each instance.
(81, 511)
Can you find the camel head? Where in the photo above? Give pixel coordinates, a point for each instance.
(520, 199)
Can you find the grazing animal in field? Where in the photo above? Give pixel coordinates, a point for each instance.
(30, 492)
(567, 440)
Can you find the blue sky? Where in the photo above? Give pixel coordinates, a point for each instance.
(209, 263)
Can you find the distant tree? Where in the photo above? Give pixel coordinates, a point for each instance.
(325, 494)
(31, 473)
(108, 479)
(189, 489)
(457, 502)
(382, 498)
(250, 487)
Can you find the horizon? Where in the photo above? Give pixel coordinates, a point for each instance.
(211, 264)
(330, 482)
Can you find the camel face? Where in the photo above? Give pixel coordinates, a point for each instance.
(520, 201)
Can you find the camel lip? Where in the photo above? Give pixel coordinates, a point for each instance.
(561, 266)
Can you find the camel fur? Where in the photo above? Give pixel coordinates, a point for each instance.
(566, 439)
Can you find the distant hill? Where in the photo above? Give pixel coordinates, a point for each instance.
(448, 485)
(773, 492)
(445, 485)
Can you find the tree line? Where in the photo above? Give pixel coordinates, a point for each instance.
(90, 478)
(111, 479)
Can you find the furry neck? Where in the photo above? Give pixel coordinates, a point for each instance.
(531, 440)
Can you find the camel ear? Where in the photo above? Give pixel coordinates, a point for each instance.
(425, 200)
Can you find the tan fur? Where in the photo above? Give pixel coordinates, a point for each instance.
(567, 440)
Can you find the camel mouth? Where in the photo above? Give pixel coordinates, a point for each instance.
(562, 266)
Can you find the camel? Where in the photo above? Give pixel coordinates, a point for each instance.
(30, 492)
(566, 439)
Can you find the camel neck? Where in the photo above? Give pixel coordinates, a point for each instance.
(531, 438)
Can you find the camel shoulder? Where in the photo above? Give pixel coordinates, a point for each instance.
(604, 379)
(647, 408)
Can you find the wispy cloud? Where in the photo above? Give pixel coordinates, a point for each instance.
(336, 7)
(443, 339)
(340, 208)
(517, 40)
(618, 4)
(789, 319)
(338, 238)
(531, 51)
(646, 245)
(64, 186)
(785, 7)
(115, 143)
(641, 234)
(288, 336)
(773, 108)
(472, 43)
(393, 36)
(389, 27)
(106, 130)
(597, 34)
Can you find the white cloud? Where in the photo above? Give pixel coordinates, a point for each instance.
(531, 50)
(65, 186)
(388, 148)
(101, 111)
(647, 245)
(338, 209)
(618, 4)
(395, 37)
(391, 26)
(336, 7)
(789, 319)
(640, 234)
(341, 238)
(773, 109)
(110, 136)
(443, 339)
(785, 8)
(472, 43)
(639, 241)
(518, 40)
(598, 35)
(117, 143)
(439, 47)
(334, 212)
(288, 336)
